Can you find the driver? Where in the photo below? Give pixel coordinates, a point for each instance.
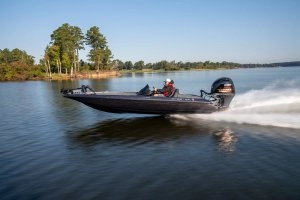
(167, 89)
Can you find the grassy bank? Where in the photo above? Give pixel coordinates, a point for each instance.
(85, 75)
(27, 76)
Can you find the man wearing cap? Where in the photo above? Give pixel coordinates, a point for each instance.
(167, 89)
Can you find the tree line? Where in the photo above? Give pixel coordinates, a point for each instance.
(61, 56)
(172, 65)
(18, 65)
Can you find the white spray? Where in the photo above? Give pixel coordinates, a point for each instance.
(271, 106)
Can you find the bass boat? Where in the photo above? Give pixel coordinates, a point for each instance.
(144, 102)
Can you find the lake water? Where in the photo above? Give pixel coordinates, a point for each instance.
(55, 148)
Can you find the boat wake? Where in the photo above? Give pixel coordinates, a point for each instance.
(270, 106)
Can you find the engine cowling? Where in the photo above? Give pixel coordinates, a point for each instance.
(223, 89)
(223, 85)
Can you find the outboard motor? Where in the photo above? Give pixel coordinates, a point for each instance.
(222, 92)
(223, 88)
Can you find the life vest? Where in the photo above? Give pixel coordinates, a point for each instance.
(166, 94)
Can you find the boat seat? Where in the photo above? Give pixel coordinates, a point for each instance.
(175, 93)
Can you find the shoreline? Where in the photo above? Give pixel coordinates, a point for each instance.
(107, 74)
(84, 75)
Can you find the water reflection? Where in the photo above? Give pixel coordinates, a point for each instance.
(151, 130)
(226, 140)
(148, 129)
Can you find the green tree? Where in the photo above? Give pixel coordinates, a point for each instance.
(70, 40)
(163, 65)
(128, 65)
(53, 58)
(16, 56)
(78, 42)
(139, 65)
(4, 56)
(99, 54)
(17, 65)
(117, 64)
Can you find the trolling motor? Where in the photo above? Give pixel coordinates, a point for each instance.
(222, 93)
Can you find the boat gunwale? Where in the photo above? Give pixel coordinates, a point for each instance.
(132, 96)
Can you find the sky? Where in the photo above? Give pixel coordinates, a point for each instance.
(242, 31)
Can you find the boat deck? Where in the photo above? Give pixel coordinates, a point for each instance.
(135, 94)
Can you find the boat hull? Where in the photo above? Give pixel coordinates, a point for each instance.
(132, 103)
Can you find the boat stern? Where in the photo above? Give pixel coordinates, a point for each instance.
(222, 93)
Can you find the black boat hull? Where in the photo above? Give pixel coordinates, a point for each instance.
(126, 103)
(145, 102)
